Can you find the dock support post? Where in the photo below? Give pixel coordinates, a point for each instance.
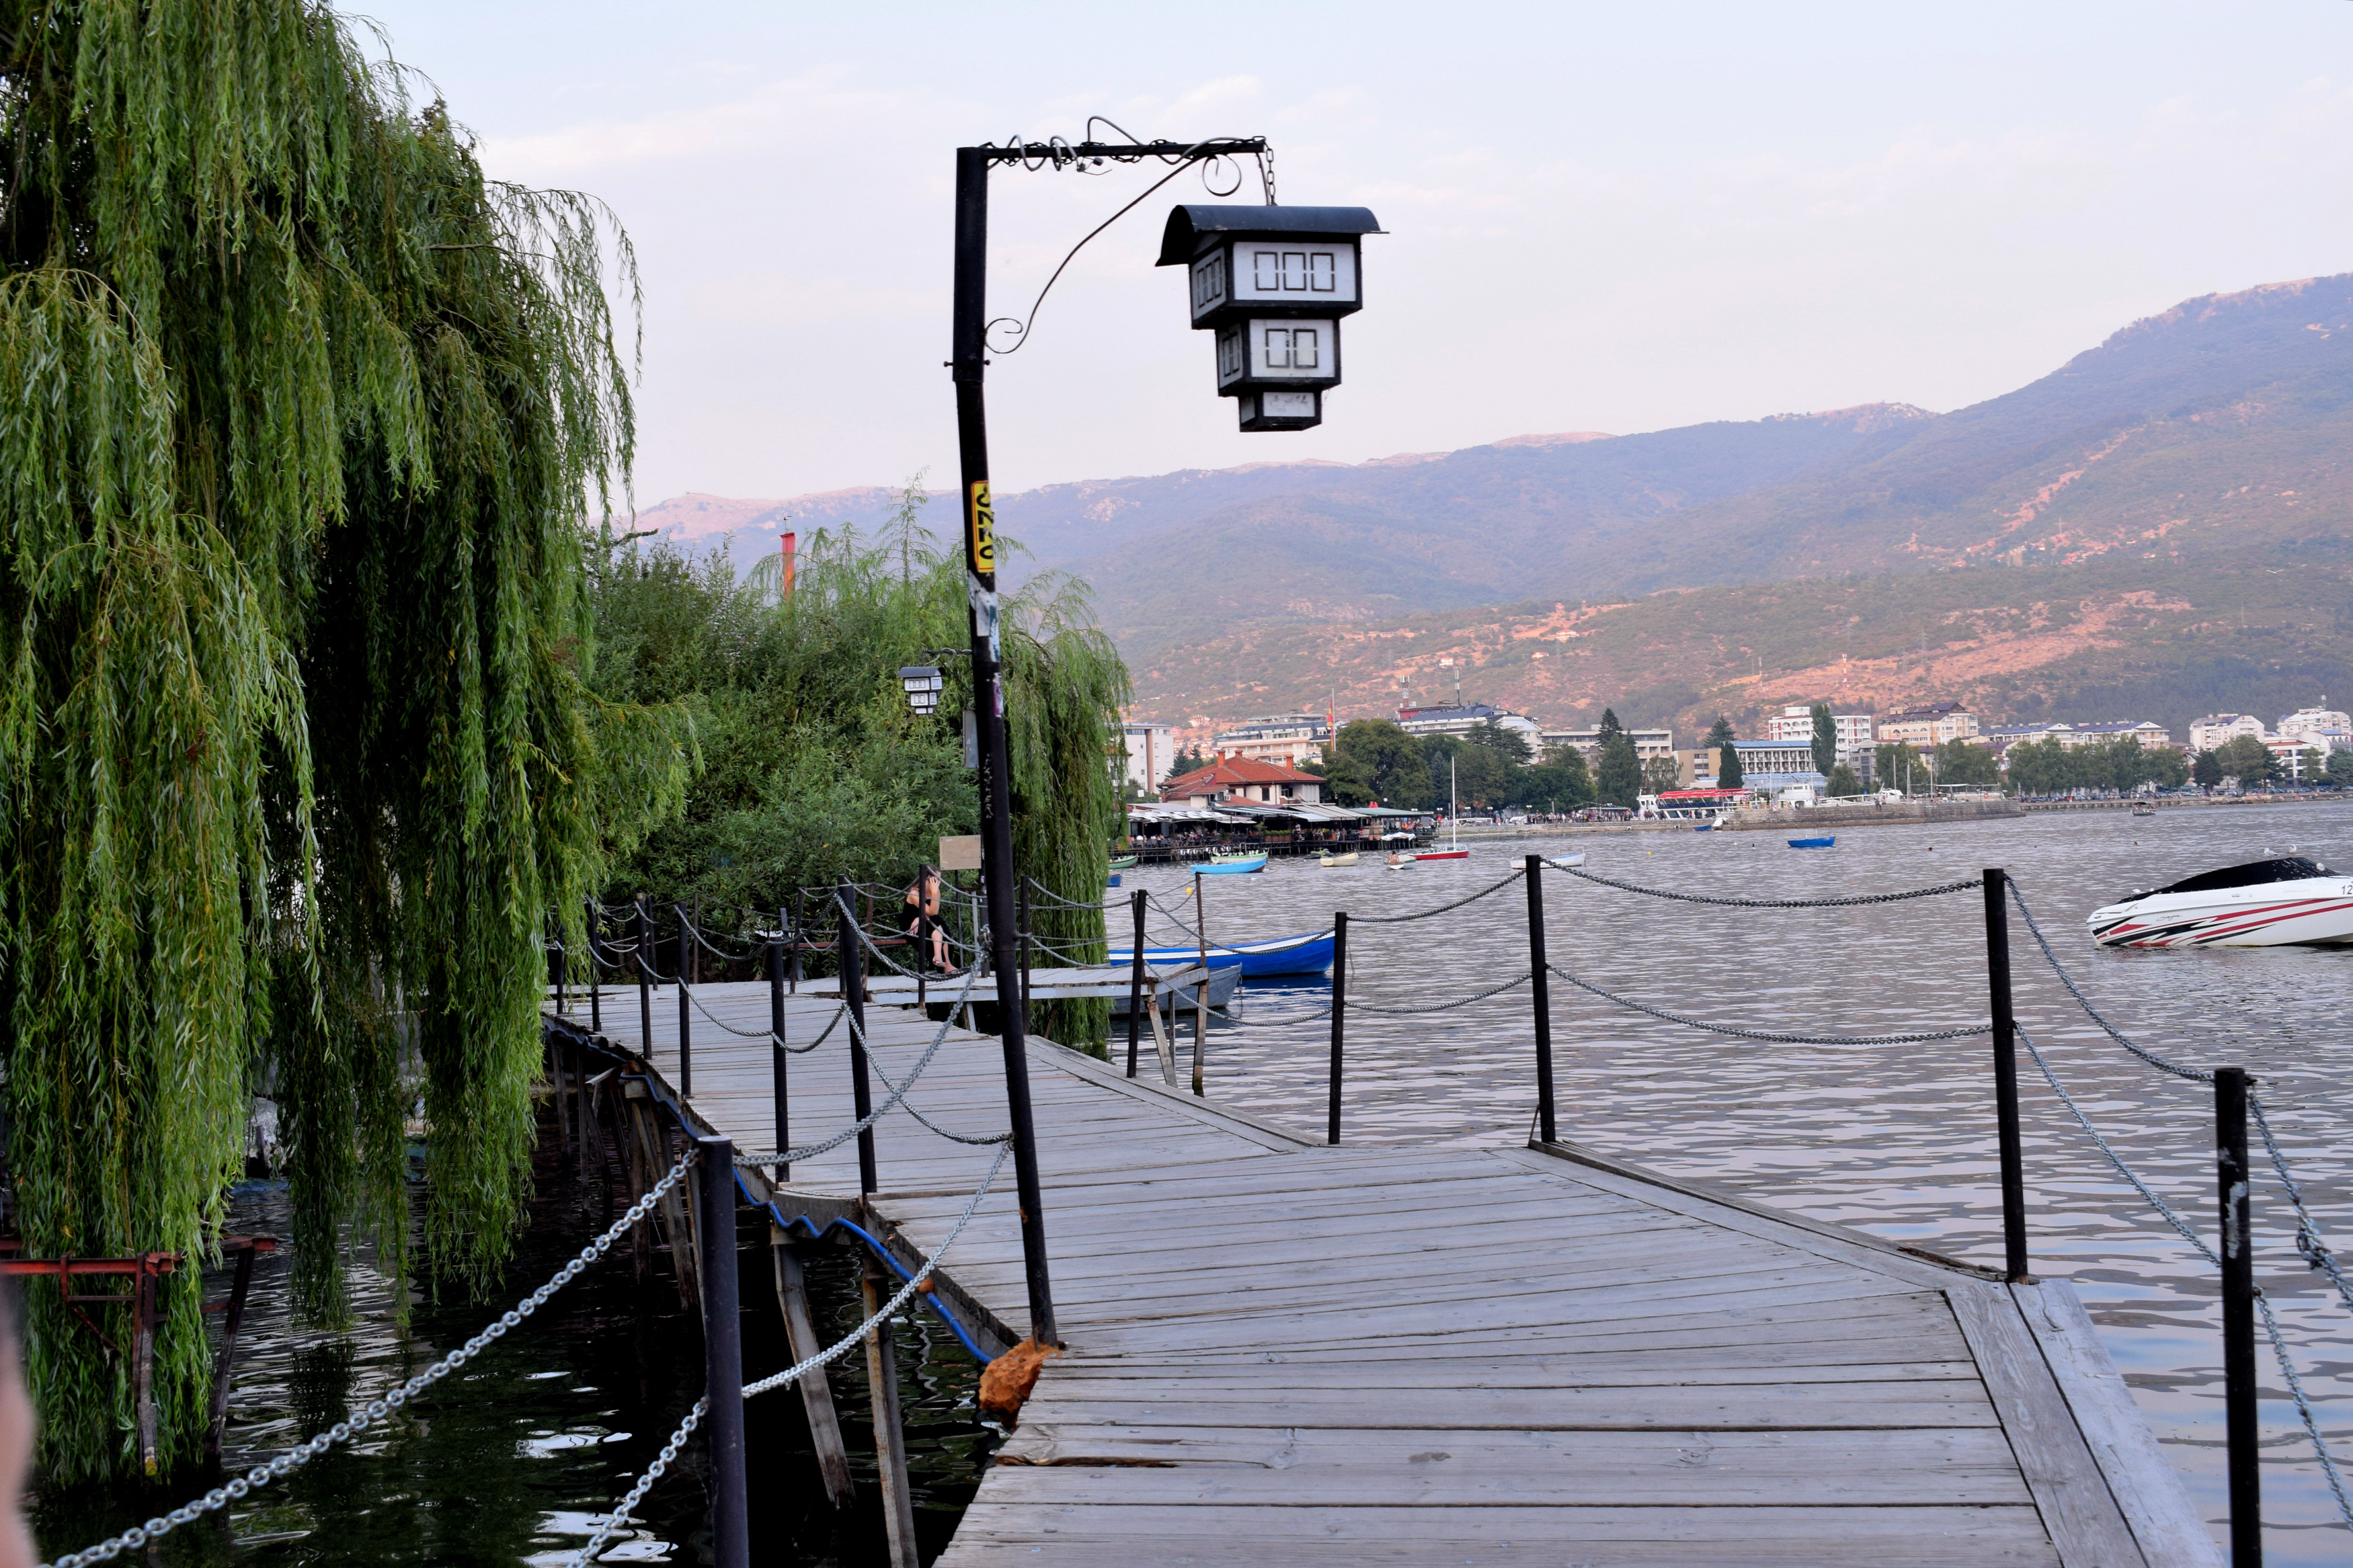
(2005, 1074)
(1540, 973)
(1339, 1019)
(645, 967)
(1021, 936)
(685, 1038)
(143, 1365)
(816, 1391)
(779, 1072)
(224, 1358)
(889, 1439)
(853, 996)
(723, 1352)
(1135, 981)
(1201, 985)
(595, 981)
(2232, 1173)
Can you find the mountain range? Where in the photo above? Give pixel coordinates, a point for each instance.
(2158, 527)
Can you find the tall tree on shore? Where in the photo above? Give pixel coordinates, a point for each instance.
(1825, 739)
(1727, 756)
(1617, 774)
(299, 414)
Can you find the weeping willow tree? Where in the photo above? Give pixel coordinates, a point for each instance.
(299, 420)
(815, 767)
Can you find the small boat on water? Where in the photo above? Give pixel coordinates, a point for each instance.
(1309, 953)
(1443, 854)
(1180, 998)
(1348, 859)
(1114, 880)
(1401, 861)
(1230, 866)
(2143, 808)
(1123, 862)
(2285, 901)
(1823, 843)
(1574, 858)
(1702, 827)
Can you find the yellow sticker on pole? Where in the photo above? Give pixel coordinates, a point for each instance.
(980, 531)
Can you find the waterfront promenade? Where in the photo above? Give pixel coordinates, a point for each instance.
(1470, 1350)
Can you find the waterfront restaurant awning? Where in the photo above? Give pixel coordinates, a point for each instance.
(1297, 811)
(1174, 813)
(1702, 796)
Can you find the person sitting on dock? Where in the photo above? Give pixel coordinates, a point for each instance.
(923, 901)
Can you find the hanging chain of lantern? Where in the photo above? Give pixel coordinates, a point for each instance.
(1272, 283)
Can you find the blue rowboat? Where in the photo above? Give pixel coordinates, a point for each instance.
(1811, 842)
(1230, 866)
(1702, 827)
(1307, 954)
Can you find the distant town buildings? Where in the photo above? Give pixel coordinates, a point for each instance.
(1150, 748)
(2001, 737)
(1931, 724)
(1243, 779)
(1647, 743)
(1464, 718)
(2322, 729)
(2216, 730)
(1795, 722)
(1289, 739)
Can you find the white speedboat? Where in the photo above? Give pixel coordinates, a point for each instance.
(2281, 902)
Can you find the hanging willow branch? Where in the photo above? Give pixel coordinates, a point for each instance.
(297, 414)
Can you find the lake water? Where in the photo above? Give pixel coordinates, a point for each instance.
(1896, 1140)
(509, 1460)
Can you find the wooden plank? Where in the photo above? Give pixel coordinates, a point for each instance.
(2085, 1525)
(2146, 1488)
(1819, 1406)
(1103, 1533)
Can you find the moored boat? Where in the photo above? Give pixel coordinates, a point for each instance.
(2143, 808)
(1348, 859)
(1575, 858)
(2285, 901)
(1443, 854)
(1123, 862)
(1823, 843)
(1230, 866)
(1181, 998)
(1309, 953)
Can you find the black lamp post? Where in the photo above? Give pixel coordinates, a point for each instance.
(1264, 312)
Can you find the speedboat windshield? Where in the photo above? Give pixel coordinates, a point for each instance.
(2285, 869)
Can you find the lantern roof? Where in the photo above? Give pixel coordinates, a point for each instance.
(1189, 225)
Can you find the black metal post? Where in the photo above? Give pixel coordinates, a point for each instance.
(685, 1038)
(968, 360)
(723, 1352)
(645, 957)
(853, 996)
(1547, 1124)
(793, 961)
(595, 981)
(2005, 1072)
(1339, 1019)
(777, 1040)
(1135, 981)
(2231, 1172)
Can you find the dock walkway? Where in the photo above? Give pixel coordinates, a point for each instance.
(1280, 1353)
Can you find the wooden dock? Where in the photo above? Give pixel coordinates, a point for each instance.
(1279, 1353)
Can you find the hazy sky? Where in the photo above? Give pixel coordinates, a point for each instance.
(1619, 218)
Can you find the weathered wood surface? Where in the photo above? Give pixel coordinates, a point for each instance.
(1283, 1352)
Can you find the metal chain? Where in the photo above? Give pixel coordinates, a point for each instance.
(1445, 1006)
(768, 1035)
(376, 1410)
(790, 1156)
(2197, 1075)
(1425, 914)
(2129, 1175)
(637, 1494)
(1937, 891)
(1253, 1021)
(1766, 1035)
(2307, 1235)
(900, 1092)
(2304, 1408)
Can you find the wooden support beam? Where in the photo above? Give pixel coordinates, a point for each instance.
(817, 1390)
(889, 1439)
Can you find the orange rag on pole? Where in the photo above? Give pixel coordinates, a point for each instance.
(1006, 1382)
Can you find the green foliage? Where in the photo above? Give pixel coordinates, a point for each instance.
(1967, 762)
(2119, 763)
(1391, 759)
(1727, 755)
(2338, 770)
(814, 766)
(1505, 742)
(1186, 762)
(1842, 783)
(2247, 759)
(1481, 776)
(2206, 770)
(1617, 776)
(1825, 738)
(301, 413)
(2308, 764)
(1659, 775)
(1346, 780)
(1894, 764)
(1560, 782)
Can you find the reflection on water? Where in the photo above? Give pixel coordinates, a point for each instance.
(1895, 1140)
(514, 1458)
